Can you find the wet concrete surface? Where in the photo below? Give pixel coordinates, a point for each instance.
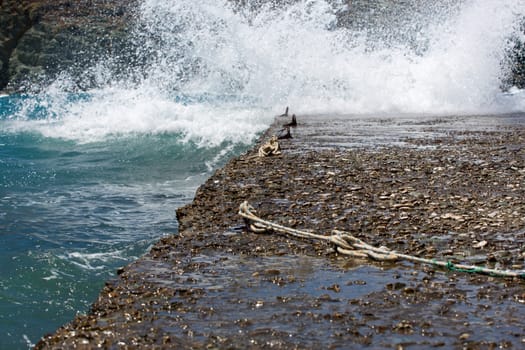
(329, 131)
(448, 188)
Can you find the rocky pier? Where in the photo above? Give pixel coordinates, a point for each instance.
(444, 188)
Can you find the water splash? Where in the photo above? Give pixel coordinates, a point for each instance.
(214, 71)
(448, 59)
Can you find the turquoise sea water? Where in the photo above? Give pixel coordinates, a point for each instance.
(71, 213)
(90, 179)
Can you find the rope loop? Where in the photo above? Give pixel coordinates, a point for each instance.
(349, 245)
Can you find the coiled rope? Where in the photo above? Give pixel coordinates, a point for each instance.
(270, 148)
(352, 246)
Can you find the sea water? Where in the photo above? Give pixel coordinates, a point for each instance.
(90, 179)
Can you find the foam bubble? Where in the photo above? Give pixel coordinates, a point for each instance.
(54, 274)
(28, 341)
(93, 261)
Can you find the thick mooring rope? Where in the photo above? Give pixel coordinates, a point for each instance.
(349, 245)
(270, 148)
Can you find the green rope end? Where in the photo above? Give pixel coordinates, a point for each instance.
(452, 267)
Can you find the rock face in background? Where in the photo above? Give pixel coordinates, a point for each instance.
(39, 39)
(517, 74)
(15, 19)
(53, 36)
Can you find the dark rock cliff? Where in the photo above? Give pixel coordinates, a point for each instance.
(15, 18)
(517, 61)
(50, 37)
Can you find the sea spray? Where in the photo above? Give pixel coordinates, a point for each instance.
(216, 71)
(447, 59)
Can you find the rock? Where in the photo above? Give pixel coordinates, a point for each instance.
(517, 57)
(45, 38)
(16, 19)
(480, 245)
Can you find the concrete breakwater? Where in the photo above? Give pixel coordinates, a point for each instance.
(448, 188)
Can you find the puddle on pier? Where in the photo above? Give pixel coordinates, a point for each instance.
(279, 301)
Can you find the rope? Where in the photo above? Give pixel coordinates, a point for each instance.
(270, 148)
(352, 246)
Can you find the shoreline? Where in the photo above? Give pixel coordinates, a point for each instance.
(435, 187)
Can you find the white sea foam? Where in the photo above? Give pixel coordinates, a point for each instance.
(93, 261)
(217, 74)
(29, 343)
(54, 274)
(119, 112)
